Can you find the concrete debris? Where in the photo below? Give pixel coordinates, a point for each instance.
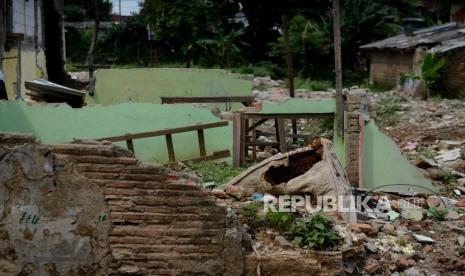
(423, 239)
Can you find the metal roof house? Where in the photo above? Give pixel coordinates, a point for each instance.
(404, 54)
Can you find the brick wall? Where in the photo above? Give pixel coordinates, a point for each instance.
(386, 66)
(91, 208)
(158, 222)
(454, 70)
(357, 104)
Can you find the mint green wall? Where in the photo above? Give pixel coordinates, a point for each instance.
(385, 165)
(58, 123)
(146, 85)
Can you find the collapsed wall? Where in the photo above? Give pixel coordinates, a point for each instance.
(91, 208)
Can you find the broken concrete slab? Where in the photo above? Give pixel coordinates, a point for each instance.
(385, 167)
(146, 85)
(59, 123)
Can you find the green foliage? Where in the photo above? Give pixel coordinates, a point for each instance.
(405, 76)
(84, 10)
(315, 232)
(214, 172)
(446, 177)
(310, 46)
(250, 214)
(124, 43)
(312, 85)
(432, 74)
(437, 213)
(224, 46)
(282, 221)
(386, 109)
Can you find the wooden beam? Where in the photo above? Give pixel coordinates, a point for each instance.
(169, 145)
(256, 115)
(246, 100)
(256, 124)
(282, 136)
(203, 151)
(237, 162)
(338, 68)
(130, 145)
(162, 132)
(216, 155)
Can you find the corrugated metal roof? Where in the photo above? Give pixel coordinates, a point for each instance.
(449, 45)
(429, 36)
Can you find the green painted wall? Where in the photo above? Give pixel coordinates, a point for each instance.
(385, 165)
(146, 85)
(60, 123)
(301, 106)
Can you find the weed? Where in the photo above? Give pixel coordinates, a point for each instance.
(280, 220)
(462, 153)
(250, 214)
(315, 232)
(437, 213)
(446, 177)
(386, 109)
(214, 172)
(402, 243)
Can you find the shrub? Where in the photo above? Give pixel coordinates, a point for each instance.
(315, 232)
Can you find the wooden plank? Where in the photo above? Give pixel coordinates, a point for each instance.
(236, 139)
(256, 124)
(169, 144)
(130, 145)
(216, 155)
(256, 115)
(282, 136)
(254, 139)
(162, 132)
(200, 134)
(288, 135)
(246, 100)
(262, 144)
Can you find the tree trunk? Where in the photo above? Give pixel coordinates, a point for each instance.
(90, 54)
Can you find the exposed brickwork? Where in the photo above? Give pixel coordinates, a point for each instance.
(162, 222)
(386, 66)
(455, 73)
(159, 222)
(356, 105)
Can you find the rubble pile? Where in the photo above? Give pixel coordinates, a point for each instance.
(430, 133)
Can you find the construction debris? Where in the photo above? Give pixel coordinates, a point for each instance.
(46, 91)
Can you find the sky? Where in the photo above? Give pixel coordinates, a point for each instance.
(127, 6)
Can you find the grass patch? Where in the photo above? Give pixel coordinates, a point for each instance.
(282, 221)
(214, 172)
(312, 85)
(437, 213)
(387, 107)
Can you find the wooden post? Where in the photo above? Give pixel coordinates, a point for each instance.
(237, 139)
(338, 68)
(169, 144)
(290, 71)
(254, 139)
(201, 136)
(282, 136)
(130, 145)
